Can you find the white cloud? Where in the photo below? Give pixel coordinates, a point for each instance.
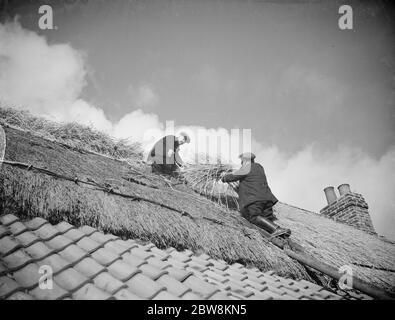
(137, 125)
(218, 143)
(46, 78)
(144, 96)
(300, 179)
(48, 81)
(84, 113)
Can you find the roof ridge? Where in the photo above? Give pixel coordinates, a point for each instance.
(34, 133)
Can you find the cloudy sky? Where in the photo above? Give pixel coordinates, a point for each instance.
(319, 100)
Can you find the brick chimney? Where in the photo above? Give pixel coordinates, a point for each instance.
(350, 208)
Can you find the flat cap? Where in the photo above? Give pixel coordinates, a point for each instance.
(247, 155)
(186, 136)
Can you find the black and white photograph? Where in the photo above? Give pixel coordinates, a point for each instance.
(203, 152)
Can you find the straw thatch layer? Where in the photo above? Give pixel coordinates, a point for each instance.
(339, 245)
(73, 135)
(29, 194)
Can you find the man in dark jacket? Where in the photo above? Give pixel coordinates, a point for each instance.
(164, 156)
(255, 197)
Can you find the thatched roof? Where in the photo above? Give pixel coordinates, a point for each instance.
(30, 194)
(205, 227)
(370, 257)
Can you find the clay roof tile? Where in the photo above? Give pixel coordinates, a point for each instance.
(8, 286)
(8, 245)
(55, 293)
(108, 283)
(91, 292)
(144, 287)
(89, 267)
(35, 223)
(8, 219)
(71, 280)
(122, 271)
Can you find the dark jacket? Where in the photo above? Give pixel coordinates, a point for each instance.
(253, 185)
(159, 154)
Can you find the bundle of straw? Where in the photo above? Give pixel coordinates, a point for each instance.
(205, 179)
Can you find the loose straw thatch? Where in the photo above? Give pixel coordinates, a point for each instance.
(73, 134)
(205, 179)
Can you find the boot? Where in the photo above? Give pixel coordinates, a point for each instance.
(272, 218)
(271, 227)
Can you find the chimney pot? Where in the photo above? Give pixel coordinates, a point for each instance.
(330, 195)
(344, 189)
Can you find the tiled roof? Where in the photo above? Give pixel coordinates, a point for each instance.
(88, 264)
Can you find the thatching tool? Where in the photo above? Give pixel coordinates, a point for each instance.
(2, 143)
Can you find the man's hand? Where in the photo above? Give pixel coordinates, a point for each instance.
(180, 166)
(222, 176)
(170, 153)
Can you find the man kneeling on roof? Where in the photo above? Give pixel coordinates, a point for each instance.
(164, 156)
(255, 197)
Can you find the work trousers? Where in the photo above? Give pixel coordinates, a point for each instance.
(166, 169)
(259, 208)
